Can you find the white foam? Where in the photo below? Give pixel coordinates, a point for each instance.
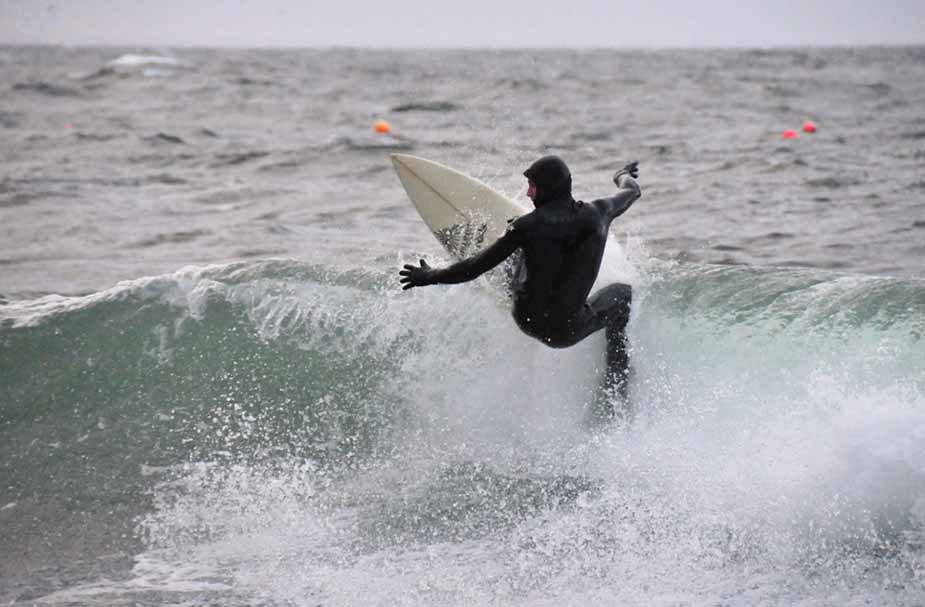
(130, 60)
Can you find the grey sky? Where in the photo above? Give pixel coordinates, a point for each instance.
(468, 23)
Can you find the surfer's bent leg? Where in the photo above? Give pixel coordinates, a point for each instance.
(610, 307)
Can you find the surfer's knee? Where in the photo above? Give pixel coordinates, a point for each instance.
(621, 294)
(615, 297)
(618, 313)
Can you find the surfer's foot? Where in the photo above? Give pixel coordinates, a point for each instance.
(611, 401)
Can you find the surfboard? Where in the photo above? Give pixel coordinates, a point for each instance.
(464, 213)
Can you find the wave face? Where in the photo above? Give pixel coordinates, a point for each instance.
(285, 434)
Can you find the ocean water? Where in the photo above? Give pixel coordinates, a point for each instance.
(213, 390)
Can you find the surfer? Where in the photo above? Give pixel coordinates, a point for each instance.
(562, 241)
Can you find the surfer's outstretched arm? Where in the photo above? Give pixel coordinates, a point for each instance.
(467, 269)
(628, 194)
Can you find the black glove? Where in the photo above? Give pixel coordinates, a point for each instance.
(413, 276)
(631, 169)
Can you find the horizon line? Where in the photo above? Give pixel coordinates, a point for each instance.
(485, 47)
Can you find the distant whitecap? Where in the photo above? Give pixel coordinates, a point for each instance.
(147, 60)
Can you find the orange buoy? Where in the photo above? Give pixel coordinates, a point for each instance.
(381, 126)
(790, 134)
(809, 126)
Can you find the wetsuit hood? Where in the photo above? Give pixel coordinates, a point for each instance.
(552, 178)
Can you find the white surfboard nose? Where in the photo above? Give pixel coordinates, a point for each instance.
(445, 197)
(415, 164)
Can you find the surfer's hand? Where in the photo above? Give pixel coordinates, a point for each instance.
(631, 169)
(413, 276)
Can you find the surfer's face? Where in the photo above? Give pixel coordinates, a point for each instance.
(531, 190)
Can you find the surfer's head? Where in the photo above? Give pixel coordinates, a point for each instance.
(548, 179)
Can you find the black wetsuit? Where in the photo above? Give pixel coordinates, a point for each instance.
(563, 243)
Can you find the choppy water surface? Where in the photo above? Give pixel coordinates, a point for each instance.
(212, 390)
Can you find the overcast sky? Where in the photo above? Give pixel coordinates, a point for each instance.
(463, 23)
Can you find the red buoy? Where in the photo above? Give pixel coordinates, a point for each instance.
(790, 134)
(809, 126)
